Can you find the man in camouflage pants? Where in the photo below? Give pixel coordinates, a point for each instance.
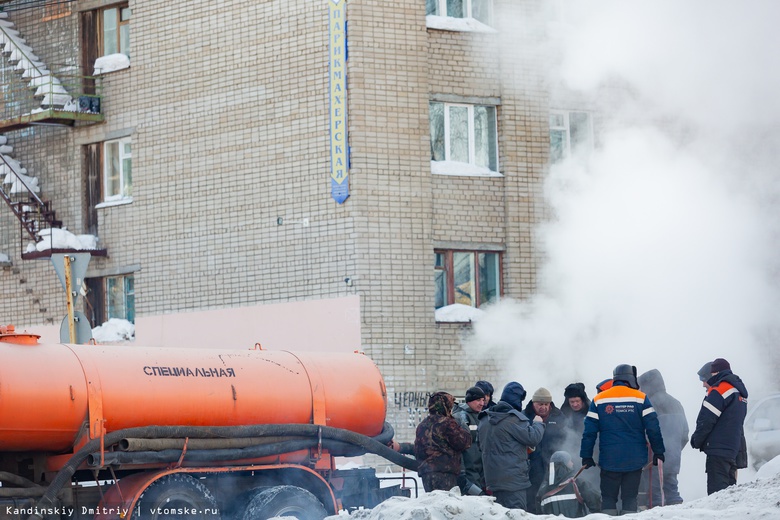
(439, 443)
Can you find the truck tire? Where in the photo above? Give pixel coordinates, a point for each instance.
(174, 497)
(284, 501)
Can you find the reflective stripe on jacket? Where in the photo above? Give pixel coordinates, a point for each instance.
(622, 418)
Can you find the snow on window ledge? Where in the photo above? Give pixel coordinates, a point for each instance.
(448, 23)
(458, 313)
(111, 63)
(461, 169)
(117, 202)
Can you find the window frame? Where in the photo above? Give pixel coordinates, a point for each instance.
(440, 6)
(127, 295)
(97, 303)
(472, 137)
(121, 23)
(566, 129)
(106, 167)
(448, 268)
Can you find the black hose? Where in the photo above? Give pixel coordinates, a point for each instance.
(376, 445)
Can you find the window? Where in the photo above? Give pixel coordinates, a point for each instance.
(570, 134)
(54, 9)
(470, 278)
(464, 134)
(117, 170)
(480, 10)
(110, 297)
(115, 22)
(120, 297)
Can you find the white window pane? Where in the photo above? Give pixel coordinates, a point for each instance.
(459, 134)
(431, 7)
(112, 173)
(110, 20)
(480, 10)
(455, 8)
(440, 281)
(556, 120)
(557, 145)
(488, 278)
(580, 131)
(124, 36)
(463, 276)
(485, 137)
(437, 131)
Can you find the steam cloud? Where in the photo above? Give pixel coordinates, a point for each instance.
(661, 250)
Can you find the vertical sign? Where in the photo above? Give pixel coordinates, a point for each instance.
(339, 150)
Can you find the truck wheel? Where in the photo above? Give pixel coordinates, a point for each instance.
(176, 496)
(284, 501)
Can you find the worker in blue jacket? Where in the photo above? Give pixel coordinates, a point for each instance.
(719, 426)
(623, 419)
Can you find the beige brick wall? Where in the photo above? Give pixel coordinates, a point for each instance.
(227, 107)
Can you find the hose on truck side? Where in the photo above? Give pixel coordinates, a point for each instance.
(341, 440)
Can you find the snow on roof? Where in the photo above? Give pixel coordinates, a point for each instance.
(448, 23)
(111, 63)
(461, 168)
(56, 238)
(457, 312)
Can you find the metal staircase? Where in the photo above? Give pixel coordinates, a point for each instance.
(36, 96)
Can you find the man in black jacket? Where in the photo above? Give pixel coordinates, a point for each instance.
(471, 479)
(719, 426)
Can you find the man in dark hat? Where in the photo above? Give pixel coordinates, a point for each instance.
(438, 445)
(505, 435)
(623, 419)
(489, 390)
(575, 406)
(472, 478)
(719, 426)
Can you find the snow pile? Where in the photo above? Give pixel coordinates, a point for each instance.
(114, 330)
(770, 469)
(759, 499)
(55, 238)
(111, 63)
(458, 313)
(4, 259)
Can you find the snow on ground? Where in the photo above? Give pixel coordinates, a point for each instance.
(756, 500)
(114, 330)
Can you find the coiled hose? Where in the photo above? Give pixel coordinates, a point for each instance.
(338, 441)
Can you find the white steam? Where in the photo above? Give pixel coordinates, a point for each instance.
(662, 247)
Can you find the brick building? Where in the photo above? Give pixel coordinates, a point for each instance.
(209, 174)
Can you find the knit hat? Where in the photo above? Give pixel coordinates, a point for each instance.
(542, 395)
(575, 390)
(486, 387)
(474, 393)
(705, 372)
(720, 364)
(513, 395)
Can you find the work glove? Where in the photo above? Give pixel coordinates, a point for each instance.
(588, 462)
(657, 457)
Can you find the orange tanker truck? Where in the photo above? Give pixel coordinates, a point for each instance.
(127, 432)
